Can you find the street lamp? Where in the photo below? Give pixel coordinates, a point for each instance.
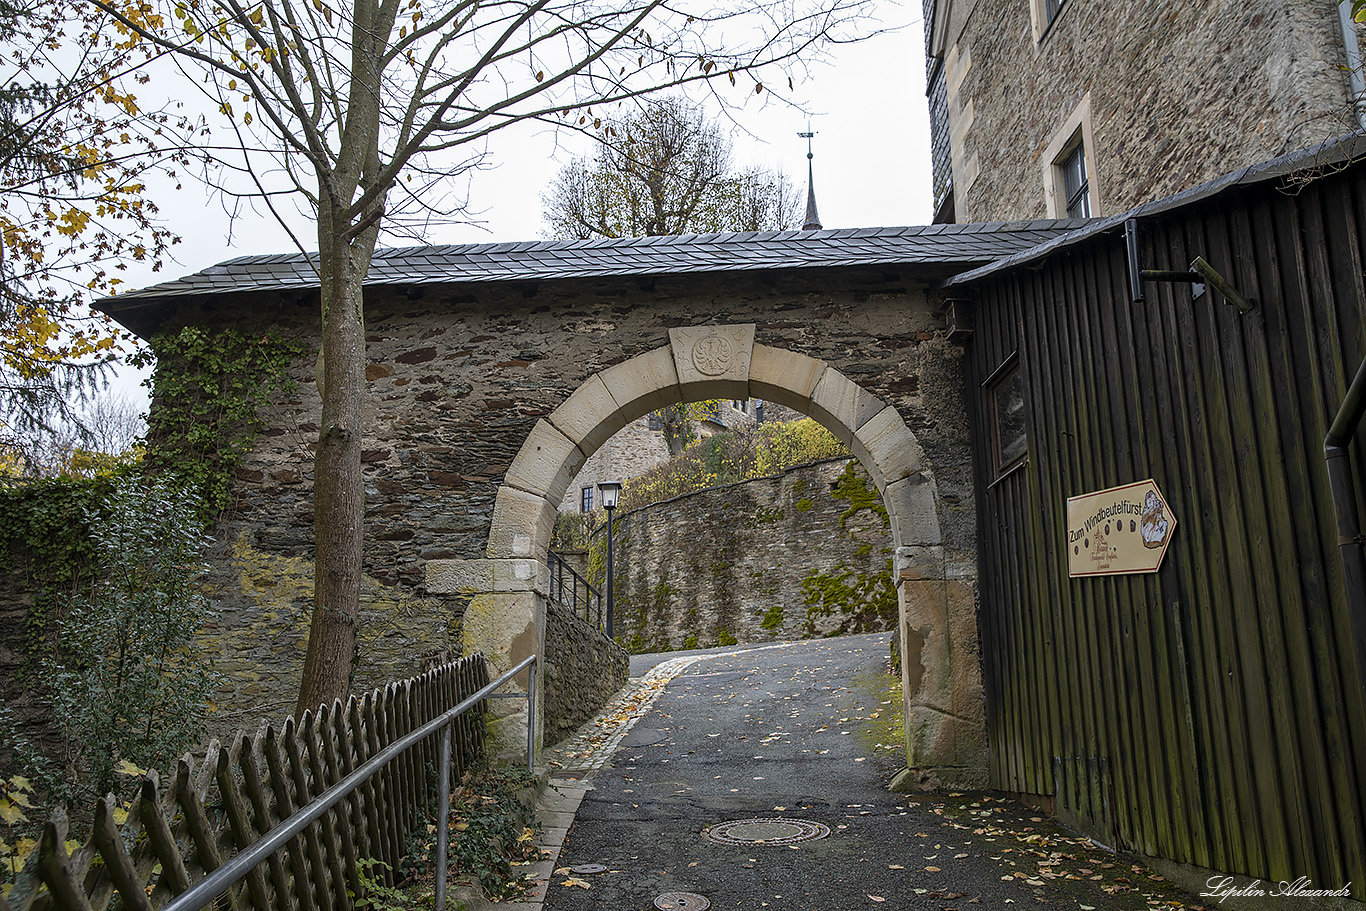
(609, 490)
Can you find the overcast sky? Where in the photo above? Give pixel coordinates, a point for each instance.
(872, 163)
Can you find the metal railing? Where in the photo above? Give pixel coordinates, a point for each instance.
(236, 869)
(573, 591)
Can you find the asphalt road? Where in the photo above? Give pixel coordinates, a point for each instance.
(791, 733)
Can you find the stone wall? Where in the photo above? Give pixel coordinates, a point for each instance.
(458, 376)
(1180, 92)
(804, 554)
(583, 669)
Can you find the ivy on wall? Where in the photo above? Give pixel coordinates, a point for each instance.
(209, 387)
(45, 544)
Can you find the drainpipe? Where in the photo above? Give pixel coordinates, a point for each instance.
(1351, 542)
(1355, 77)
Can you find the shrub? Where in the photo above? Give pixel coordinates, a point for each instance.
(130, 683)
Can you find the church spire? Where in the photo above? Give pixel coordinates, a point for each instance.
(813, 218)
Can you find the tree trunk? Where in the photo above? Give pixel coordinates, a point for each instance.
(676, 430)
(338, 491)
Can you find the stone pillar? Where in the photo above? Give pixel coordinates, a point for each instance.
(941, 675)
(505, 621)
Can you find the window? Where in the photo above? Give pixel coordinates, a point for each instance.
(1071, 185)
(1044, 12)
(1005, 395)
(586, 500)
(1075, 186)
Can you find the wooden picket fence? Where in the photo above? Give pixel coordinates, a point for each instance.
(177, 831)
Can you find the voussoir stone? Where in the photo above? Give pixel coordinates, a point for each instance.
(522, 523)
(590, 416)
(887, 448)
(842, 405)
(912, 506)
(546, 463)
(713, 361)
(643, 384)
(785, 377)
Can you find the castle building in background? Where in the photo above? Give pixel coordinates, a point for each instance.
(1087, 108)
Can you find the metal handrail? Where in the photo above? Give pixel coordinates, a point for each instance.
(591, 598)
(235, 870)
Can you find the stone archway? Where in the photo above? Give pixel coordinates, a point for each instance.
(940, 671)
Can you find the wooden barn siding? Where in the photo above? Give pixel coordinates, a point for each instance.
(1210, 713)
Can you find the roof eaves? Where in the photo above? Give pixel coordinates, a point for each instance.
(1330, 153)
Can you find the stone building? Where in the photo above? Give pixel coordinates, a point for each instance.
(1049, 108)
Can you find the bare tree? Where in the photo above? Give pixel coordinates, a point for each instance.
(363, 110)
(106, 430)
(665, 168)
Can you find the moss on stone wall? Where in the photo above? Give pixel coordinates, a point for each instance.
(864, 603)
(261, 660)
(800, 554)
(852, 487)
(764, 515)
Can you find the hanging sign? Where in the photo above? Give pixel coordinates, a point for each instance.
(1117, 531)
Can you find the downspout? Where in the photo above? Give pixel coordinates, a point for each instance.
(1355, 76)
(1351, 542)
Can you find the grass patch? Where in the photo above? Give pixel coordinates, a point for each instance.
(882, 731)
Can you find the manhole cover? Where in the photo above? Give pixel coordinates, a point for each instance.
(770, 831)
(583, 869)
(682, 901)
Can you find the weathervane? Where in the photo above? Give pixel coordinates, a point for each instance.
(813, 219)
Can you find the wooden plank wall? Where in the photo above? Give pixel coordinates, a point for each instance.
(179, 830)
(1210, 713)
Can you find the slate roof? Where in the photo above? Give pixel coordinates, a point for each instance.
(929, 245)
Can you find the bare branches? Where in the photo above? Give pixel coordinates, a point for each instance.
(318, 79)
(665, 170)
